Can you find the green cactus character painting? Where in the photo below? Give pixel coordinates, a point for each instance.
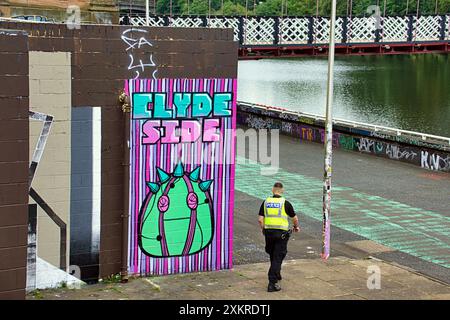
(176, 217)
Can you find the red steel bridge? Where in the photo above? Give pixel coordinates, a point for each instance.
(288, 36)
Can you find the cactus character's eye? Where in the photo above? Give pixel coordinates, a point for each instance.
(163, 203)
(192, 200)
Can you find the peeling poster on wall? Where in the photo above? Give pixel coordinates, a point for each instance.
(182, 174)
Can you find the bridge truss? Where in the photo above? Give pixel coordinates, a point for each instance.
(261, 37)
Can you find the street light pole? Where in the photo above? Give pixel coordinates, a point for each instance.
(328, 141)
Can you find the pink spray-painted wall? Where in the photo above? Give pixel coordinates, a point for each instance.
(182, 175)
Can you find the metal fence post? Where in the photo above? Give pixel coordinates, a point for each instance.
(344, 29)
(310, 30)
(276, 30)
(204, 21)
(378, 31)
(442, 31)
(410, 28)
(241, 30)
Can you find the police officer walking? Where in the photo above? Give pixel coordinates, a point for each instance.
(273, 219)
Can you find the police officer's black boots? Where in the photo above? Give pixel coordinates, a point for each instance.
(272, 287)
(279, 278)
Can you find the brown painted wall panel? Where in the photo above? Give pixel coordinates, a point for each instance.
(111, 202)
(111, 257)
(52, 44)
(14, 258)
(113, 113)
(13, 85)
(14, 63)
(109, 269)
(13, 130)
(15, 236)
(97, 85)
(13, 193)
(13, 150)
(95, 99)
(11, 215)
(13, 163)
(13, 279)
(83, 59)
(9, 45)
(111, 178)
(12, 173)
(12, 294)
(14, 108)
(115, 216)
(111, 243)
(81, 72)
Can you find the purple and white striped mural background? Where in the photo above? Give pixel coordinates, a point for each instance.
(217, 162)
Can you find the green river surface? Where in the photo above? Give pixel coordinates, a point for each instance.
(410, 92)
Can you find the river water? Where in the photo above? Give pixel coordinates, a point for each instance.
(410, 92)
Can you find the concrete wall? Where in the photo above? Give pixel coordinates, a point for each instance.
(13, 163)
(99, 63)
(50, 93)
(424, 153)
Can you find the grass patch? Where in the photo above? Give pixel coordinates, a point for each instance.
(37, 294)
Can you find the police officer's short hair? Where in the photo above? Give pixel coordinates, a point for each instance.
(278, 185)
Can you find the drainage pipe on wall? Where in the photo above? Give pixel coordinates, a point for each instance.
(126, 108)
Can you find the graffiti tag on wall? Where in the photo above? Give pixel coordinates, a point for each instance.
(139, 52)
(182, 174)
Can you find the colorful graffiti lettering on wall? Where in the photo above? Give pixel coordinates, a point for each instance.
(182, 175)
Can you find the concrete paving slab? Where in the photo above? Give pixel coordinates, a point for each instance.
(303, 279)
(369, 246)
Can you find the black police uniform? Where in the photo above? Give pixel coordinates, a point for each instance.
(276, 243)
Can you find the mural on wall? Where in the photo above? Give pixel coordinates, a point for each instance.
(177, 216)
(182, 174)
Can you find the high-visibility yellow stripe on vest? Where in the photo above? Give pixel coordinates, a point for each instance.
(275, 216)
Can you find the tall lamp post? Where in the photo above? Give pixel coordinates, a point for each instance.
(328, 141)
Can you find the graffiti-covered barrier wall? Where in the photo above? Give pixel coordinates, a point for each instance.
(427, 154)
(13, 163)
(75, 79)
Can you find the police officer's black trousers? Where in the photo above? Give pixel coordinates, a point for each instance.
(276, 247)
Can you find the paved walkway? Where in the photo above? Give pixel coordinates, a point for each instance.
(338, 278)
(401, 206)
(419, 232)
